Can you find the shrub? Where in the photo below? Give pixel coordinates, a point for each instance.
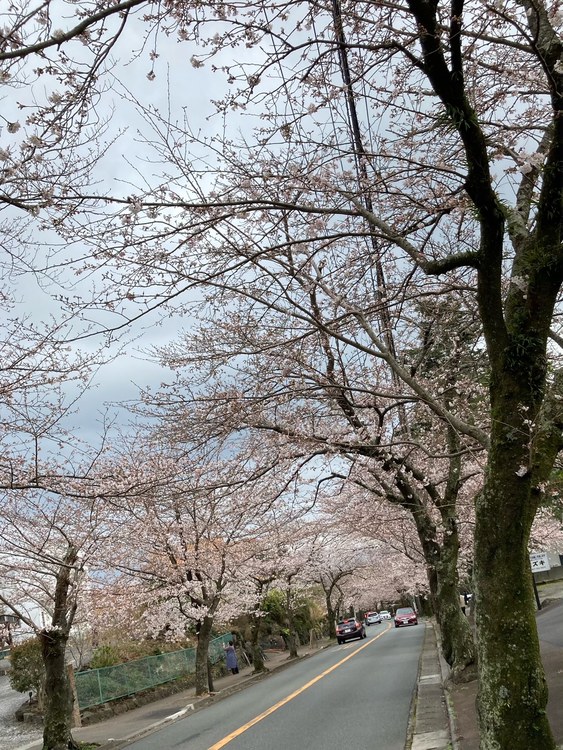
(104, 656)
(27, 669)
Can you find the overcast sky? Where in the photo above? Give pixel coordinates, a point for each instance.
(186, 91)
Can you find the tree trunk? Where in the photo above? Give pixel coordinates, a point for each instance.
(257, 655)
(512, 695)
(291, 635)
(331, 614)
(58, 699)
(457, 644)
(202, 671)
(210, 685)
(292, 643)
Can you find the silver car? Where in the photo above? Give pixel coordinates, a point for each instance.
(373, 618)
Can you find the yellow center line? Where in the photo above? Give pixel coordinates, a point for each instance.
(279, 704)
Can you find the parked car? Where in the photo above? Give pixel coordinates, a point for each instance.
(350, 628)
(385, 615)
(372, 618)
(405, 616)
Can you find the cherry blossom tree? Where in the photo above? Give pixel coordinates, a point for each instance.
(404, 151)
(294, 578)
(264, 572)
(547, 532)
(338, 558)
(58, 54)
(190, 535)
(424, 520)
(47, 544)
(261, 572)
(461, 181)
(328, 396)
(357, 570)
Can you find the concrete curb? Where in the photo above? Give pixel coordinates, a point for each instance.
(429, 726)
(411, 724)
(445, 672)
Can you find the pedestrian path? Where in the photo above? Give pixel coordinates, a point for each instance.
(462, 696)
(430, 720)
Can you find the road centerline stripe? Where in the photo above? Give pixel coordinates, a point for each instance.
(237, 732)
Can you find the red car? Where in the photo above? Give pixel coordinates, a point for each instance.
(350, 628)
(405, 616)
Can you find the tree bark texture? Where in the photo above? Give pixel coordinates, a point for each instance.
(202, 657)
(512, 697)
(291, 633)
(457, 643)
(257, 655)
(58, 696)
(331, 615)
(58, 699)
(516, 321)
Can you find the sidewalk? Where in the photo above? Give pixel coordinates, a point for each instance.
(462, 697)
(430, 725)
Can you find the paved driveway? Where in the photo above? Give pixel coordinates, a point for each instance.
(14, 733)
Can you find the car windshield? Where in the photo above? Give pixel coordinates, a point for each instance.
(346, 622)
(384, 612)
(405, 611)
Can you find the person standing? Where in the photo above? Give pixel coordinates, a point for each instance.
(231, 656)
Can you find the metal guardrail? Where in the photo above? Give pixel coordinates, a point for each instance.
(97, 686)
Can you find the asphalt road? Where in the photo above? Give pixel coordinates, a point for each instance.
(549, 624)
(354, 695)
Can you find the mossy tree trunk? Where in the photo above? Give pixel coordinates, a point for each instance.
(441, 558)
(262, 584)
(202, 665)
(257, 655)
(513, 693)
(516, 319)
(291, 632)
(58, 697)
(457, 643)
(512, 696)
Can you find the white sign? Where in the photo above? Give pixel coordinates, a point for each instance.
(539, 562)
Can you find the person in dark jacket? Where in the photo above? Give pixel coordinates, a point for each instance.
(231, 656)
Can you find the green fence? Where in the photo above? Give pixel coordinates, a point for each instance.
(98, 686)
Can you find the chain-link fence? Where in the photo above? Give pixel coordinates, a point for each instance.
(98, 686)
